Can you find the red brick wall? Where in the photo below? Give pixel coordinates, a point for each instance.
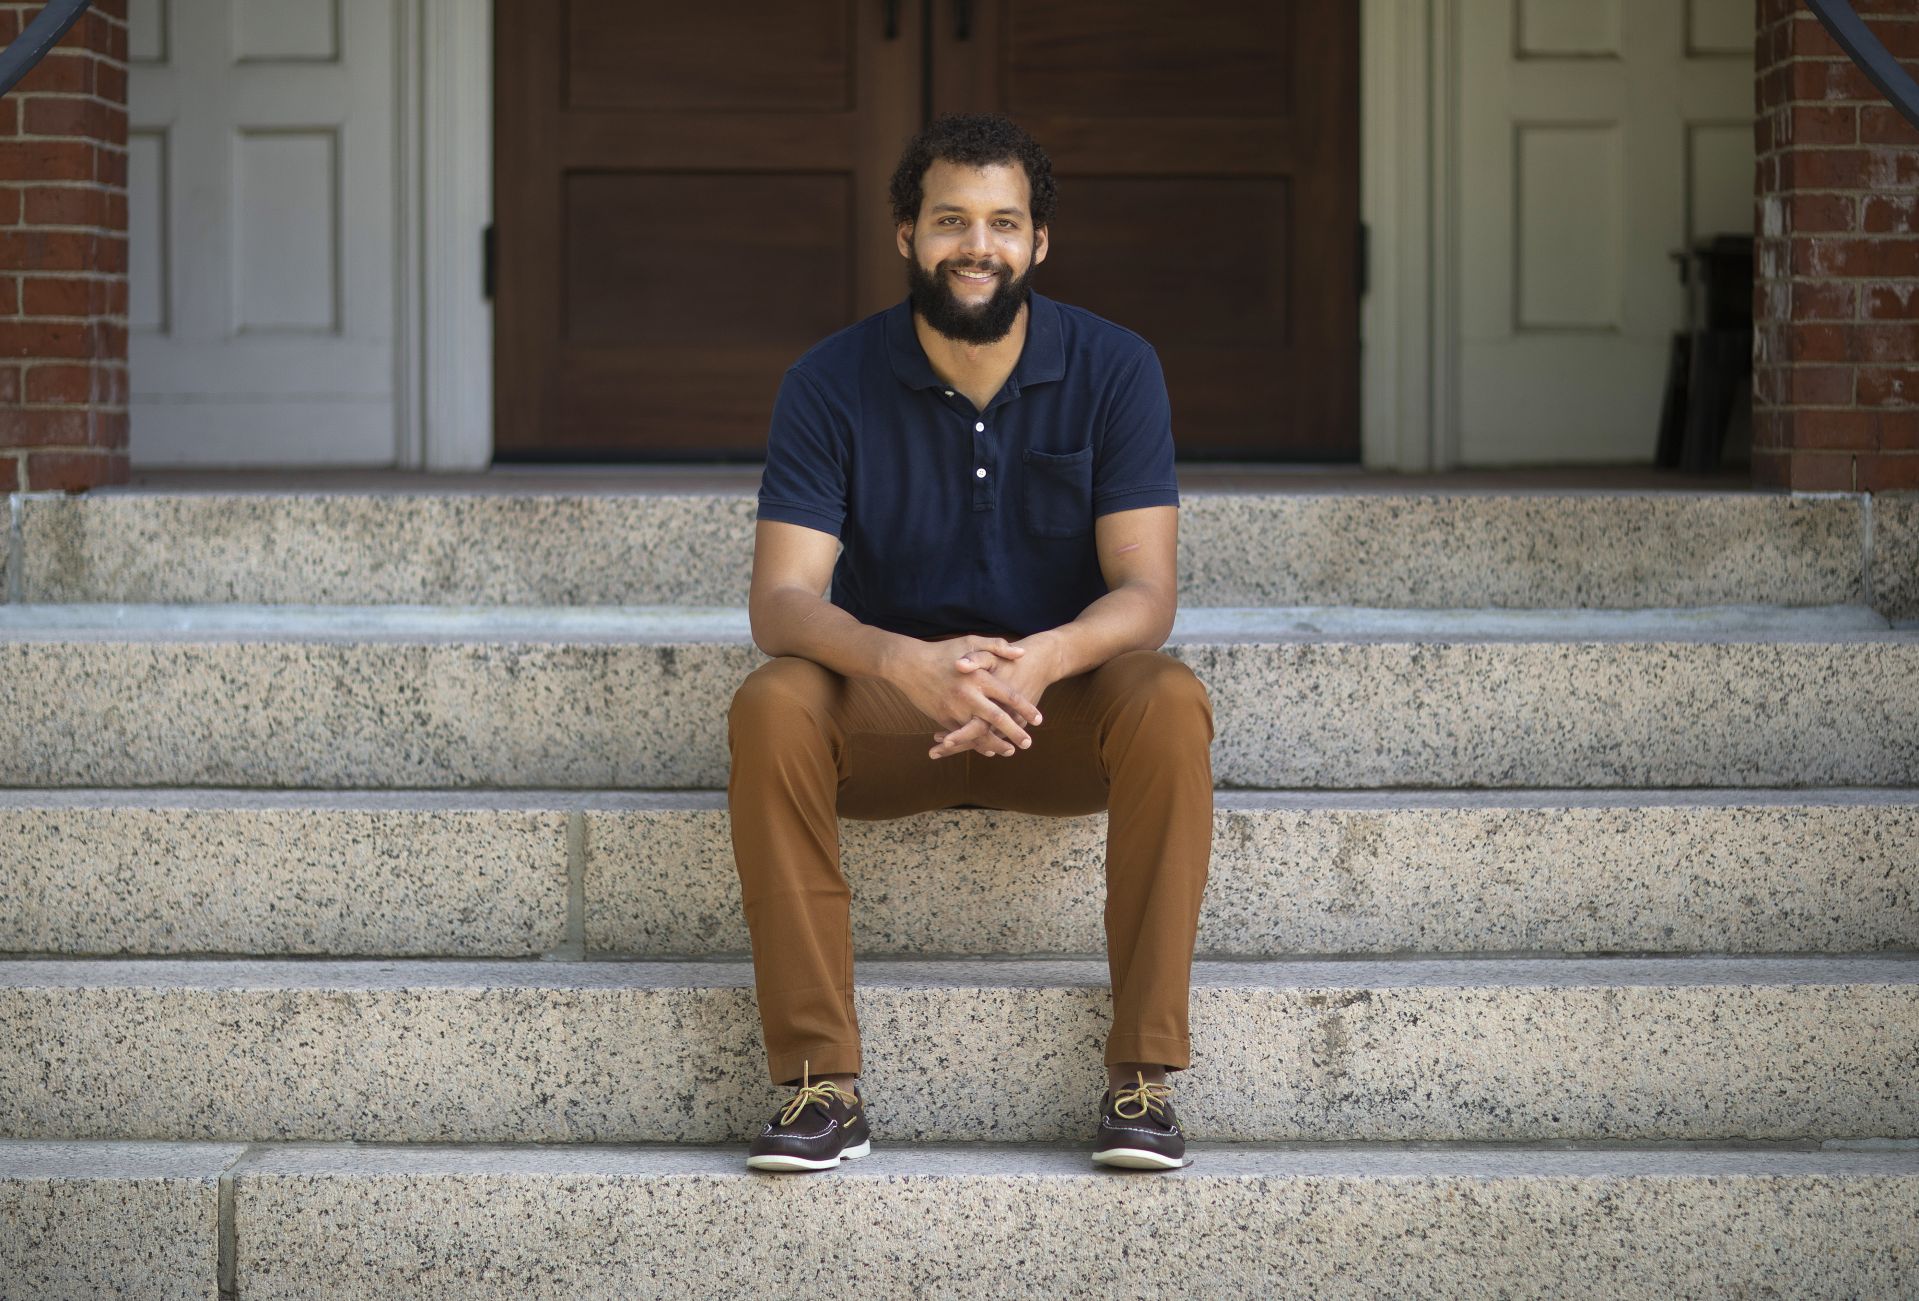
(1836, 296)
(63, 257)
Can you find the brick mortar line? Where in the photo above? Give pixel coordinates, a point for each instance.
(95, 141)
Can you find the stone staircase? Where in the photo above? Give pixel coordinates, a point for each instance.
(372, 927)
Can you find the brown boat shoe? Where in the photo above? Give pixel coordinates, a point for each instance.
(1138, 1130)
(818, 1127)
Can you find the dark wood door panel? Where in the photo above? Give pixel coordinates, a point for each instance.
(1175, 258)
(655, 259)
(1144, 59)
(687, 197)
(673, 401)
(794, 56)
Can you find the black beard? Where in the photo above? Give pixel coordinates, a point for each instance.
(933, 298)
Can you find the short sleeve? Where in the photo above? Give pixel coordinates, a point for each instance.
(1134, 464)
(805, 477)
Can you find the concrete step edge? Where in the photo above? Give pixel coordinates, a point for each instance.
(172, 1159)
(480, 799)
(727, 625)
(1479, 971)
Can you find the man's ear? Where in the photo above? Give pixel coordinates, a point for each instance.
(1040, 243)
(903, 238)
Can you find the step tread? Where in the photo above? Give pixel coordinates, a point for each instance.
(376, 974)
(110, 1158)
(679, 625)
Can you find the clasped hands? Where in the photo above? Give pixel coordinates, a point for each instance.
(983, 690)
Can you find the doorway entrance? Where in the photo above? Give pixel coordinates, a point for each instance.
(687, 198)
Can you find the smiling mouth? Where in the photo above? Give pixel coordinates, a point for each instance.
(976, 277)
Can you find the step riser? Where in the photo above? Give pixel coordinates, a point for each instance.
(1085, 1236)
(474, 882)
(147, 1233)
(1895, 555)
(1612, 551)
(1298, 714)
(602, 1058)
(131, 1219)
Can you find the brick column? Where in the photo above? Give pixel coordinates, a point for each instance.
(1836, 292)
(63, 258)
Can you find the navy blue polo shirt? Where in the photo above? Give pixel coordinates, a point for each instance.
(956, 520)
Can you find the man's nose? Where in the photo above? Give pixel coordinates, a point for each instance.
(978, 239)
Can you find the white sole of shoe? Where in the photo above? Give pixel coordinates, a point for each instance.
(1134, 1158)
(803, 1163)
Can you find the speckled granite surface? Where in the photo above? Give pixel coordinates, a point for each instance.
(1895, 555)
(279, 873)
(1657, 702)
(111, 1219)
(341, 714)
(1621, 549)
(484, 873)
(1519, 549)
(1332, 874)
(354, 548)
(997, 1222)
(544, 1051)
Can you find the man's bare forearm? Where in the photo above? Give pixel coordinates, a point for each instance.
(792, 621)
(1125, 619)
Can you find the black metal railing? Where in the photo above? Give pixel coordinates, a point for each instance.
(41, 35)
(1863, 48)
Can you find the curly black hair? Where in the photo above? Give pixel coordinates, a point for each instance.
(975, 140)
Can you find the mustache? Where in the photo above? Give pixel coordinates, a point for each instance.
(973, 264)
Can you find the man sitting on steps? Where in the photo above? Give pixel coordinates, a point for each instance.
(999, 468)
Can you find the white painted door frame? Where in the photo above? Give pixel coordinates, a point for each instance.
(452, 332)
(1405, 395)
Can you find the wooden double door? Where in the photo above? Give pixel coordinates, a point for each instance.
(689, 196)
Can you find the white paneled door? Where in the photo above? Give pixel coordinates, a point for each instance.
(265, 262)
(1595, 137)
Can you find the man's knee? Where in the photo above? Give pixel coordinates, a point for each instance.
(1164, 691)
(777, 696)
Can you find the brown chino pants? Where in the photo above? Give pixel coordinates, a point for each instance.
(810, 746)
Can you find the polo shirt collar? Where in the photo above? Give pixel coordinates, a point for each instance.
(1042, 360)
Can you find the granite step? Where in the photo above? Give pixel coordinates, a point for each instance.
(1407, 1049)
(1346, 1220)
(495, 873)
(636, 697)
(1568, 548)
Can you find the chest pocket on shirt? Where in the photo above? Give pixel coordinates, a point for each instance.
(1059, 493)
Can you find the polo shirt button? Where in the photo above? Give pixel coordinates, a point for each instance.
(980, 473)
(978, 428)
(949, 392)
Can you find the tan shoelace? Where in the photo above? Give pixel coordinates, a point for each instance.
(1146, 1097)
(823, 1092)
